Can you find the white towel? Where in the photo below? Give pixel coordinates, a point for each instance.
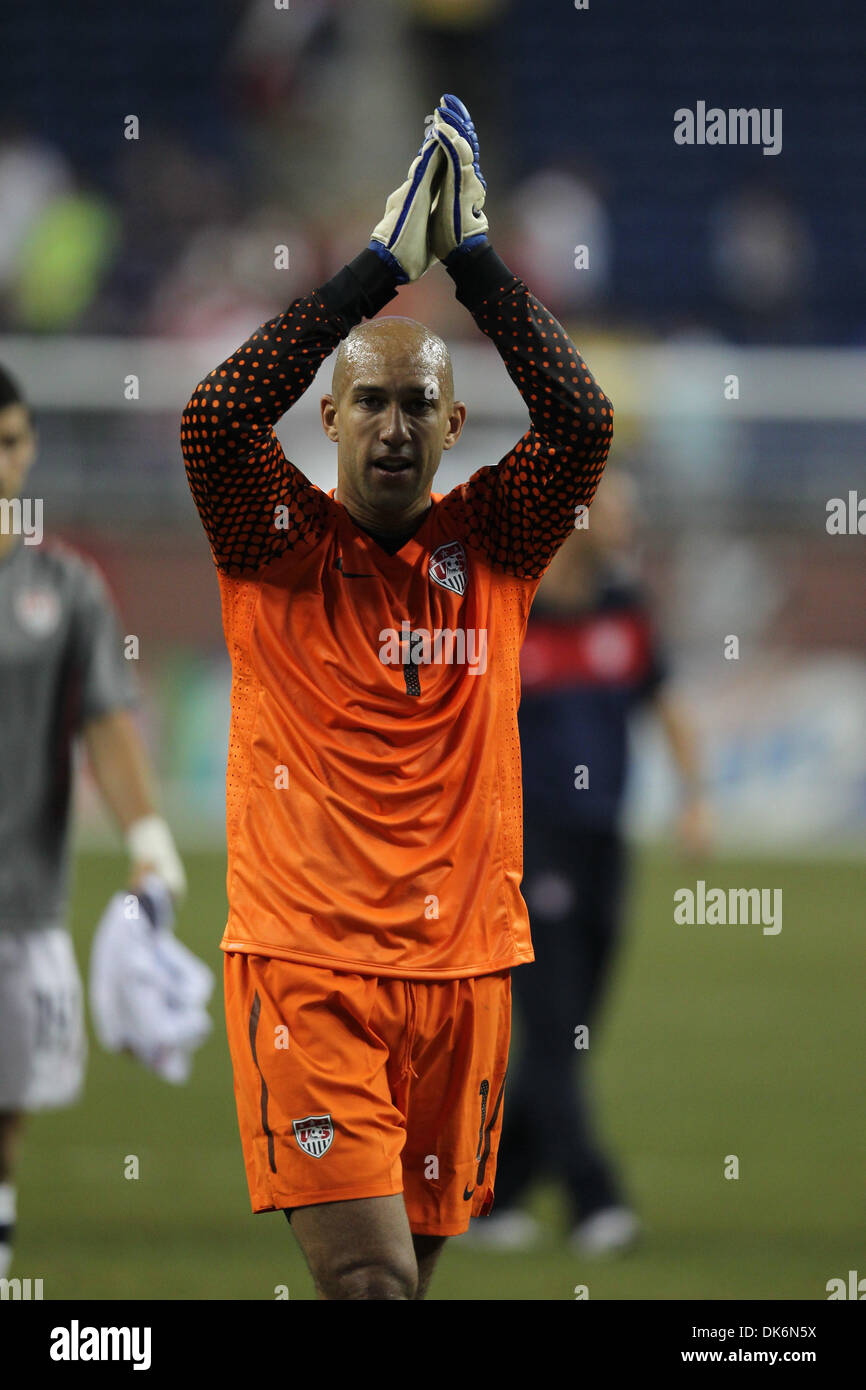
(148, 992)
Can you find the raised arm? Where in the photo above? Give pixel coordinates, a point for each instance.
(519, 512)
(237, 470)
(238, 473)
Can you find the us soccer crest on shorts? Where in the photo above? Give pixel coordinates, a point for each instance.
(448, 567)
(315, 1134)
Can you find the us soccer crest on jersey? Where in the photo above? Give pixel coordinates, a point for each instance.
(38, 611)
(448, 567)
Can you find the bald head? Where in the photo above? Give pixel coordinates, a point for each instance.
(393, 344)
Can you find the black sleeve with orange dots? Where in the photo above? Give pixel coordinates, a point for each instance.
(519, 512)
(254, 504)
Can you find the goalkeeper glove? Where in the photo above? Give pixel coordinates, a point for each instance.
(402, 238)
(458, 221)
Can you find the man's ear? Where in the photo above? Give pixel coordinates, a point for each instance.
(329, 418)
(456, 421)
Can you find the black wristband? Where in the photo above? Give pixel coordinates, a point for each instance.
(359, 290)
(479, 274)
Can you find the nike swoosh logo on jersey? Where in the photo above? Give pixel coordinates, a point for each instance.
(467, 1193)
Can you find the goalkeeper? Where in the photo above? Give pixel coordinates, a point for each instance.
(373, 781)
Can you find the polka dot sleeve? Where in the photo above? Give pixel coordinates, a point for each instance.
(254, 504)
(519, 512)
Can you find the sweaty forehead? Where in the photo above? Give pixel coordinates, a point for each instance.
(399, 350)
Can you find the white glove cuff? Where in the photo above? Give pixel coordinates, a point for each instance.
(150, 841)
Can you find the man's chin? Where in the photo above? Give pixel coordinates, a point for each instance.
(399, 491)
(387, 500)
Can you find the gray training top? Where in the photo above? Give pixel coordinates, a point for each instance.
(61, 665)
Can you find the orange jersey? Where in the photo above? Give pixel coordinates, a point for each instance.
(374, 816)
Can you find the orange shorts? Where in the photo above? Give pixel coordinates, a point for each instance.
(364, 1086)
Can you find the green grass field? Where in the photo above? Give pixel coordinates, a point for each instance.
(718, 1040)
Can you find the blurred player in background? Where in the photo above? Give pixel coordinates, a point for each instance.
(590, 660)
(62, 675)
(373, 782)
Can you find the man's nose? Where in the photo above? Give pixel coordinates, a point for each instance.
(395, 426)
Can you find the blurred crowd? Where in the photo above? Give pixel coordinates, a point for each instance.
(174, 232)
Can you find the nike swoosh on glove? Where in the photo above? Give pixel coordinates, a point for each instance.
(402, 238)
(458, 221)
